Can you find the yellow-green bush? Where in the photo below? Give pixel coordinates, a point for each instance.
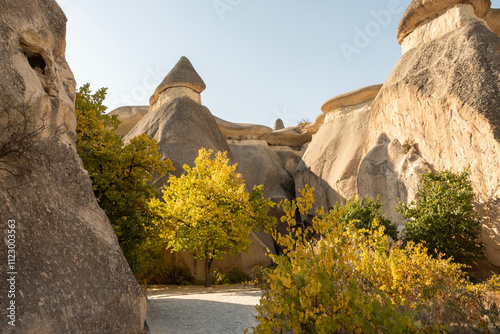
(359, 281)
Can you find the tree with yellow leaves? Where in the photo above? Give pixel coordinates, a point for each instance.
(208, 211)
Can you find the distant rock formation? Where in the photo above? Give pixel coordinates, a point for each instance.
(129, 117)
(178, 121)
(71, 276)
(278, 125)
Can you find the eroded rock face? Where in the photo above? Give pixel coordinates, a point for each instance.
(129, 117)
(181, 127)
(443, 96)
(260, 164)
(392, 173)
(71, 274)
(421, 11)
(331, 161)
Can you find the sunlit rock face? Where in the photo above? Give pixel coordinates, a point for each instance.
(178, 121)
(71, 276)
(443, 96)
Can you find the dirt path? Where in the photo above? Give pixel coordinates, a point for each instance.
(196, 310)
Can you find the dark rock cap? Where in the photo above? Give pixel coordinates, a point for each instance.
(422, 10)
(182, 75)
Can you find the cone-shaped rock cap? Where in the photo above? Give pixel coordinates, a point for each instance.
(420, 11)
(182, 75)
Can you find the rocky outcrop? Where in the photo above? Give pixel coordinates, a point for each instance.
(261, 164)
(183, 75)
(443, 95)
(70, 275)
(330, 163)
(420, 12)
(128, 117)
(178, 122)
(391, 172)
(181, 126)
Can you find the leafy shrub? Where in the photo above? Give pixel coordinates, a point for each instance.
(316, 288)
(444, 217)
(352, 280)
(234, 276)
(363, 213)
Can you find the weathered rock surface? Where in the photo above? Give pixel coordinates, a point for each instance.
(420, 11)
(444, 96)
(278, 125)
(260, 164)
(71, 274)
(492, 18)
(182, 75)
(331, 161)
(351, 98)
(129, 117)
(181, 127)
(391, 172)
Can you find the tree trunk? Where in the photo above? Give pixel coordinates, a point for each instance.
(208, 270)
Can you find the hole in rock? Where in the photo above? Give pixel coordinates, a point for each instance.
(36, 62)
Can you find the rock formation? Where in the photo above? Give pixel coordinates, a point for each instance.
(70, 274)
(331, 161)
(178, 121)
(443, 95)
(129, 117)
(181, 126)
(438, 109)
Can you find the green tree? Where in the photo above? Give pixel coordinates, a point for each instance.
(208, 211)
(443, 216)
(120, 174)
(364, 213)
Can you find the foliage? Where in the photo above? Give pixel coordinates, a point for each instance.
(303, 122)
(316, 287)
(363, 213)
(20, 132)
(208, 211)
(443, 216)
(120, 174)
(360, 281)
(234, 276)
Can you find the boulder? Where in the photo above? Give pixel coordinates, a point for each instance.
(443, 95)
(391, 172)
(70, 275)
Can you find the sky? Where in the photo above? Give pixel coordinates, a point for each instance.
(260, 59)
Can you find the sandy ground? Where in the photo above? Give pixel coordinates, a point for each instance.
(197, 310)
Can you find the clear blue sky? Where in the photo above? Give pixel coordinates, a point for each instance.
(260, 59)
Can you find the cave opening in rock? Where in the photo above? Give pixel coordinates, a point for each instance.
(37, 62)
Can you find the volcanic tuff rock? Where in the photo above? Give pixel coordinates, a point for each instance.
(71, 274)
(129, 117)
(330, 163)
(443, 95)
(178, 121)
(181, 126)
